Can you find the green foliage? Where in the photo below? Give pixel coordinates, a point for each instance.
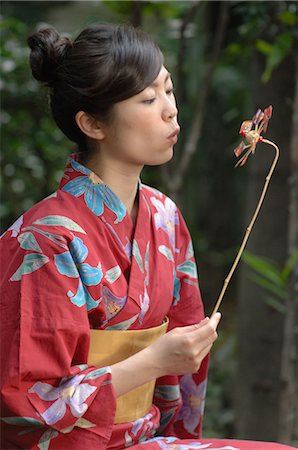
(125, 8)
(274, 52)
(268, 27)
(32, 148)
(273, 279)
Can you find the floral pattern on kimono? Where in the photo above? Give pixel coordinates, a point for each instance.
(75, 261)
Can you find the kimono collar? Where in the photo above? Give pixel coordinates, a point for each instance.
(79, 181)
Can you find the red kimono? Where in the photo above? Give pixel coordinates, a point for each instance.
(74, 262)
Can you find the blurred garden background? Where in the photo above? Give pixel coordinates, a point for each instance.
(227, 59)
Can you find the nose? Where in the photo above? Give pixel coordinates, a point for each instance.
(170, 110)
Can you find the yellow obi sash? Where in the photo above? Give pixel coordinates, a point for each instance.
(108, 347)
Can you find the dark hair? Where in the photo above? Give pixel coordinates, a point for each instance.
(104, 65)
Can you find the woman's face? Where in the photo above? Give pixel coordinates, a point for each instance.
(144, 127)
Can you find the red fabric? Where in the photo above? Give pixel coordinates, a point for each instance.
(74, 262)
(212, 444)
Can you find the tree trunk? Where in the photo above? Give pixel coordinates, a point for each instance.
(260, 327)
(288, 430)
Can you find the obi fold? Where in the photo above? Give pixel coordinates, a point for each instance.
(108, 347)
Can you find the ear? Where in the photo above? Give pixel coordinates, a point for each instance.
(89, 125)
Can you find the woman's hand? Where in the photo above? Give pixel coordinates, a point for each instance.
(178, 352)
(183, 349)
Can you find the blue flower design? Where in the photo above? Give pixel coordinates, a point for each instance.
(72, 265)
(176, 289)
(96, 193)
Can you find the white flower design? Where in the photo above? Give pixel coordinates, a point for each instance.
(70, 392)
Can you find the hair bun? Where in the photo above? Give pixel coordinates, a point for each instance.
(48, 49)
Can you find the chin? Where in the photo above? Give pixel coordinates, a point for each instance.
(162, 158)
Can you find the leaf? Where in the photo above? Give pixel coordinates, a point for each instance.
(263, 47)
(167, 392)
(45, 439)
(189, 251)
(189, 268)
(269, 286)
(31, 263)
(84, 423)
(82, 366)
(280, 49)
(113, 274)
(166, 418)
(80, 423)
(28, 242)
(234, 49)
(263, 268)
(60, 221)
(97, 373)
(285, 41)
(123, 325)
(289, 266)
(59, 240)
(28, 430)
(166, 252)
(275, 304)
(288, 18)
(137, 255)
(147, 258)
(22, 421)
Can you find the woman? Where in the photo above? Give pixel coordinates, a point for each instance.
(88, 269)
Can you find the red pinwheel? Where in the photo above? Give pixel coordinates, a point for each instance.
(251, 131)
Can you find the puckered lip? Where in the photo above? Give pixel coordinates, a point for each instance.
(175, 133)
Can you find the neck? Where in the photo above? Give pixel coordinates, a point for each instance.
(121, 178)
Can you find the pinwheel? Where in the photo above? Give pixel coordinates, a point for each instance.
(251, 131)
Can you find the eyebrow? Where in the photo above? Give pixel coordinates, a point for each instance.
(155, 84)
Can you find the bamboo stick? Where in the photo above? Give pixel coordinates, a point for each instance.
(249, 228)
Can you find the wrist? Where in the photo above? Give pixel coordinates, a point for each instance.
(136, 370)
(154, 364)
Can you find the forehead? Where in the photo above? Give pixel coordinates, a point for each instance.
(159, 81)
(161, 78)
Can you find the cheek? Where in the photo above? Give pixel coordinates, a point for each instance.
(141, 128)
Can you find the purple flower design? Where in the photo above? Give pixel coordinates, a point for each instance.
(145, 426)
(193, 397)
(70, 392)
(113, 304)
(166, 217)
(168, 443)
(139, 423)
(144, 303)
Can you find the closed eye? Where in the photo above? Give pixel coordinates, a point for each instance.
(149, 101)
(170, 91)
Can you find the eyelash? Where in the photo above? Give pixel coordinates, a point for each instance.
(151, 100)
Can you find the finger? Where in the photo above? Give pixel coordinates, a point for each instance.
(196, 326)
(204, 333)
(214, 321)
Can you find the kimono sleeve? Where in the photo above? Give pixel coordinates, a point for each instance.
(50, 395)
(181, 399)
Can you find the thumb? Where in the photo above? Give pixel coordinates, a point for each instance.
(215, 319)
